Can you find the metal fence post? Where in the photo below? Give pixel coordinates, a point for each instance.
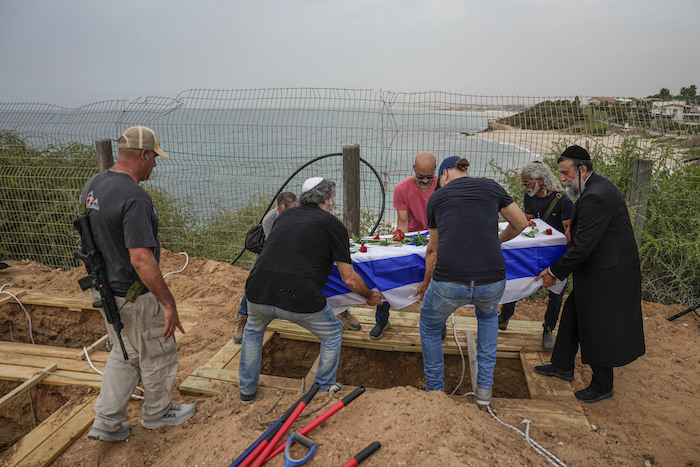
(351, 188)
(105, 158)
(637, 195)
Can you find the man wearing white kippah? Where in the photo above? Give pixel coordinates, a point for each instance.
(287, 279)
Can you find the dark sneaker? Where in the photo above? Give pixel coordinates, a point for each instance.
(547, 338)
(378, 330)
(349, 321)
(444, 333)
(176, 415)
(482, 397)
(122, 434)
(247, 398)
(551, 370)
(502, 322)
(238, 336)
(590, 396)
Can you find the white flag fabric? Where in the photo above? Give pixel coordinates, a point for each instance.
(397, 270)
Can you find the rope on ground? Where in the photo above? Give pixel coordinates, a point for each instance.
(31, 334)
(272, 407)
(551, 458)
(87, 357)
(461, 354)
(336, 388)
(187, 260)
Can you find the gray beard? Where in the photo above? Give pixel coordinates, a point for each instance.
(575, 189)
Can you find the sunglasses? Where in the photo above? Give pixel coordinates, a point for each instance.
(425, 177)
(527, 184)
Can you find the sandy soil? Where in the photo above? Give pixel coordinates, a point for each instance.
(652, 419)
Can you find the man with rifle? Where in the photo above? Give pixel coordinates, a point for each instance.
(124, 227)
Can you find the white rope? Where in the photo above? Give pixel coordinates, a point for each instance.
(87, 357)
(551, 458)
(31, 334)
(187, 260)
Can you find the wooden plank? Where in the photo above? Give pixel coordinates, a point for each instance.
(543, 414)
(22, 373)
(38, 362)
(30, 383)
(32, 349)
(471, 353)
(92, 347)
(544, 387)
(59, 441)
(36, 437)
(224, 355)
(233, 364)
(5, 298)
(196, 386)
(84, 303)
(231, 376)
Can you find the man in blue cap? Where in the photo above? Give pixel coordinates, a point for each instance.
(464, 265)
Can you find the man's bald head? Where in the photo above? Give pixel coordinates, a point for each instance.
(425, 163)
(424, 166)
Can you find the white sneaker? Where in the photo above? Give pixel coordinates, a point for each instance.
(482, 397)
(176, 415)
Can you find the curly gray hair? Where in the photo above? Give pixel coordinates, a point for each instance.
(318, 194)
(539, 170)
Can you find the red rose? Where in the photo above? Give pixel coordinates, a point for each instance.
(377, 238)
(363, 248)
(548, 231)
(532, 223)
(398, 235)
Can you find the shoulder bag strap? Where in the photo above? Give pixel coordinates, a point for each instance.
(551, 206)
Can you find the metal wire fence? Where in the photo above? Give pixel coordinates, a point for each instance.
(232, 149)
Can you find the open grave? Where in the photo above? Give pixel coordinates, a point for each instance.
(61, 327)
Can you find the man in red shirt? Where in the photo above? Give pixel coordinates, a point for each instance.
(410, 201)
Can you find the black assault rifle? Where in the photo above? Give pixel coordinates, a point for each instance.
(95, 265)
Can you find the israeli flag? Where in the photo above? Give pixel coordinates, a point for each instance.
(397, 270)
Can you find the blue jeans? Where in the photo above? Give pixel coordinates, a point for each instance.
(323, 324)
(440, 301)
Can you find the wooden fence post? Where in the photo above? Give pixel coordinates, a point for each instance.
(351, 188)
(637, 196)
(105, 158)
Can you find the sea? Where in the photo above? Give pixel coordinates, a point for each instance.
(225, 159)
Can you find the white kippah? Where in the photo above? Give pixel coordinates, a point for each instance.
(310, 183)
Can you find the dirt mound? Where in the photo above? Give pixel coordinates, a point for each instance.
(652, 418)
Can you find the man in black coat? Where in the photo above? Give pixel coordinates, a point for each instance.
(603, 314)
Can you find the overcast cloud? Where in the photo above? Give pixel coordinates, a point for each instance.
(73, 52)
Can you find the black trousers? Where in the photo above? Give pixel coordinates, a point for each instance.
(566, 347)
(550, 316)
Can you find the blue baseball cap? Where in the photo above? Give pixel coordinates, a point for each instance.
(446, 164)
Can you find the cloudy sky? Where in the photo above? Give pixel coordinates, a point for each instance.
(73, 52)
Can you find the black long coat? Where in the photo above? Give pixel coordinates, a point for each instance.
(603, 257)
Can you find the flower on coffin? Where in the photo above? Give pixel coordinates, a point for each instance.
(363, 248)
(377, 238)
(532, 223)
(398, 235)
(548, 232)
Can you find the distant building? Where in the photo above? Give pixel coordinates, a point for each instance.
(668, 110)
(602, 101)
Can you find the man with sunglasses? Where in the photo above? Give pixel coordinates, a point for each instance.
(410, 201)
(543, 200)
